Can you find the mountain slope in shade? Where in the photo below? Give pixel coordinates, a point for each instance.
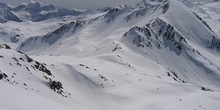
(6, 14)
(156, 55)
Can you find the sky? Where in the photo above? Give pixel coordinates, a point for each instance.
(80, 4)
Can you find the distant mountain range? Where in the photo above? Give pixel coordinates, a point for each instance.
(34, 11)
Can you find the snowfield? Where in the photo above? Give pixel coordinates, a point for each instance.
(156, 55)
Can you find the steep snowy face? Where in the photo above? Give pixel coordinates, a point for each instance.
(208, 13)
(207, 10)
(188, 27)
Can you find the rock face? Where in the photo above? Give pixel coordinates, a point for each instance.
(5, 46)
(156, 34)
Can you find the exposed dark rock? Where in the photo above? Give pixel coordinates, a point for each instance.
(15, 38)
(57, 87)
(205, 89)
(42, 68)
(157, 33)
(1, 76)
(5, 46)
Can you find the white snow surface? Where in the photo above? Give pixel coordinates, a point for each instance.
(156, 55)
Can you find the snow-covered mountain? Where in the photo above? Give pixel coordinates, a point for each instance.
(159, 31)
(34, 11)
(156, 54)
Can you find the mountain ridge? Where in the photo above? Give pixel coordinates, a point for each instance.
(161, 33)
(156, 54)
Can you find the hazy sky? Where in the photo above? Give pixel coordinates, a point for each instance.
(82, 4)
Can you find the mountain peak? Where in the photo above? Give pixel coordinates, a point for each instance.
(122, 6)
(37, 3)
(34, 6)
(151, 1)
(32, 1)
(146, 4)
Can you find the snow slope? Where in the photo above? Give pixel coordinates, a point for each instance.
(133, 84)
(155, 55)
